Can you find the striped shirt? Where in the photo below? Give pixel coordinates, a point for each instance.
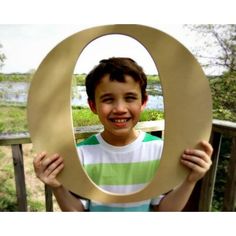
(121, 169)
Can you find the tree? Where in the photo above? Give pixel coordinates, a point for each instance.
(219, 45)
(2, 57)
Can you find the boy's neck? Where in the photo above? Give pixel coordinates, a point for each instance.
(120, 140)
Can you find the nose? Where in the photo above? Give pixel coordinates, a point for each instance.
(120, 107)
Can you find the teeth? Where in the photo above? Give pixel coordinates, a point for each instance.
(119, 120)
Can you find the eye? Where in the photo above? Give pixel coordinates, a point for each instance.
(107, 100)
(131, 98)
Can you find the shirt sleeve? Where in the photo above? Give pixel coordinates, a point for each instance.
(85, 202)
(156, 201)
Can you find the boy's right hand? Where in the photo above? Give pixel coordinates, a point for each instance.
(47, 168)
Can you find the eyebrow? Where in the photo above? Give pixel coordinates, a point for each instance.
(132, 94)
(106, 95)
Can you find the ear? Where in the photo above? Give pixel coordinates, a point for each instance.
(144, 103)
(92, 106)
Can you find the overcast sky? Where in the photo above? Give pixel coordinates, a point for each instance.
(25, 46)
(30, 29)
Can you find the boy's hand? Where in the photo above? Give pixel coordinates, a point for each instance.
(47, 168)
(199, 161)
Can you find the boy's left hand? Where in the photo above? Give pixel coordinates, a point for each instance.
(199, 161)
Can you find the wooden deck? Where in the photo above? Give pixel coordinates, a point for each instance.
(201, 199)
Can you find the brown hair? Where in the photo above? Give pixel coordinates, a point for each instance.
(117, 68)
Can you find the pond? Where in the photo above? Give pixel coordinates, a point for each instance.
(16, 92)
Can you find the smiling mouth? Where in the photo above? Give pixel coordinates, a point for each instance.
(120, 120)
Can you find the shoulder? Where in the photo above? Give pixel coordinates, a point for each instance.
(151, 142)
(149, 138)
(92, 140)
(152, 147)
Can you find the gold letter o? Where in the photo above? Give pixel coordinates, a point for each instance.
(187, 103)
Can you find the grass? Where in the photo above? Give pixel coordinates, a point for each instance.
(151, 114)
(78, 79)
(34, 188)
(8, 201)
(13, 118)
(83, 117)
(16, 77)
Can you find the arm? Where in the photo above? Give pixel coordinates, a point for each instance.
(199, 162)
(47, 169)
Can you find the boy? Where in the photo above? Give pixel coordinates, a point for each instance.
(121, 159)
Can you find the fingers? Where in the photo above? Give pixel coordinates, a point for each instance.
(196, 163)
(47, 168)
(198, 160)
(48, 161)
(198, 157)
(207, 148)
(52, 164)
(38, 158)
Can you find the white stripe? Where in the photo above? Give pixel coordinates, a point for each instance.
(123, 189)
(95, 154)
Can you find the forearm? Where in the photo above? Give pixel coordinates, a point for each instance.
(177, 199)
(66, 200)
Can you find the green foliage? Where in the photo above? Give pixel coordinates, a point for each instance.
(83, 117)
(13, 119)
(8, 201)
(151, 114)
(221, 176)
(34, 205)
(80, 79)
(153, 79)
(7, 191)
(224, 97)
(16, 77)
(224, 108)
(7, 196)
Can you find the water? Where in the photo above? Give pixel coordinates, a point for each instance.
(16, 92)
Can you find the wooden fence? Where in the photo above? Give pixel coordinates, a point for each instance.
(200, 200)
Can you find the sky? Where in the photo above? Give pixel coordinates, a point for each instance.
(30, 31)
(25, 45)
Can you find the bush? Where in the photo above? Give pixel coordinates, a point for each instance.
(224, 108)
(224, 97)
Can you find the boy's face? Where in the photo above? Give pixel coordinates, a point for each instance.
(118, 106)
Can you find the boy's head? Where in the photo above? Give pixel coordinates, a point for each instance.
(116, 68)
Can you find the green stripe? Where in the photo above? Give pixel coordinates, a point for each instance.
(89, 141)
(122, 173)
(149, 137)
(103, 208)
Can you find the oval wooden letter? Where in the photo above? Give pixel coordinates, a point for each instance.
(187, 103)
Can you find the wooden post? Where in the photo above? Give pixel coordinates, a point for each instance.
(18, 163)
(230, 188)
(208, 182)
(48, 198)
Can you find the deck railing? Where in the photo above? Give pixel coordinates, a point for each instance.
(201, 199)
